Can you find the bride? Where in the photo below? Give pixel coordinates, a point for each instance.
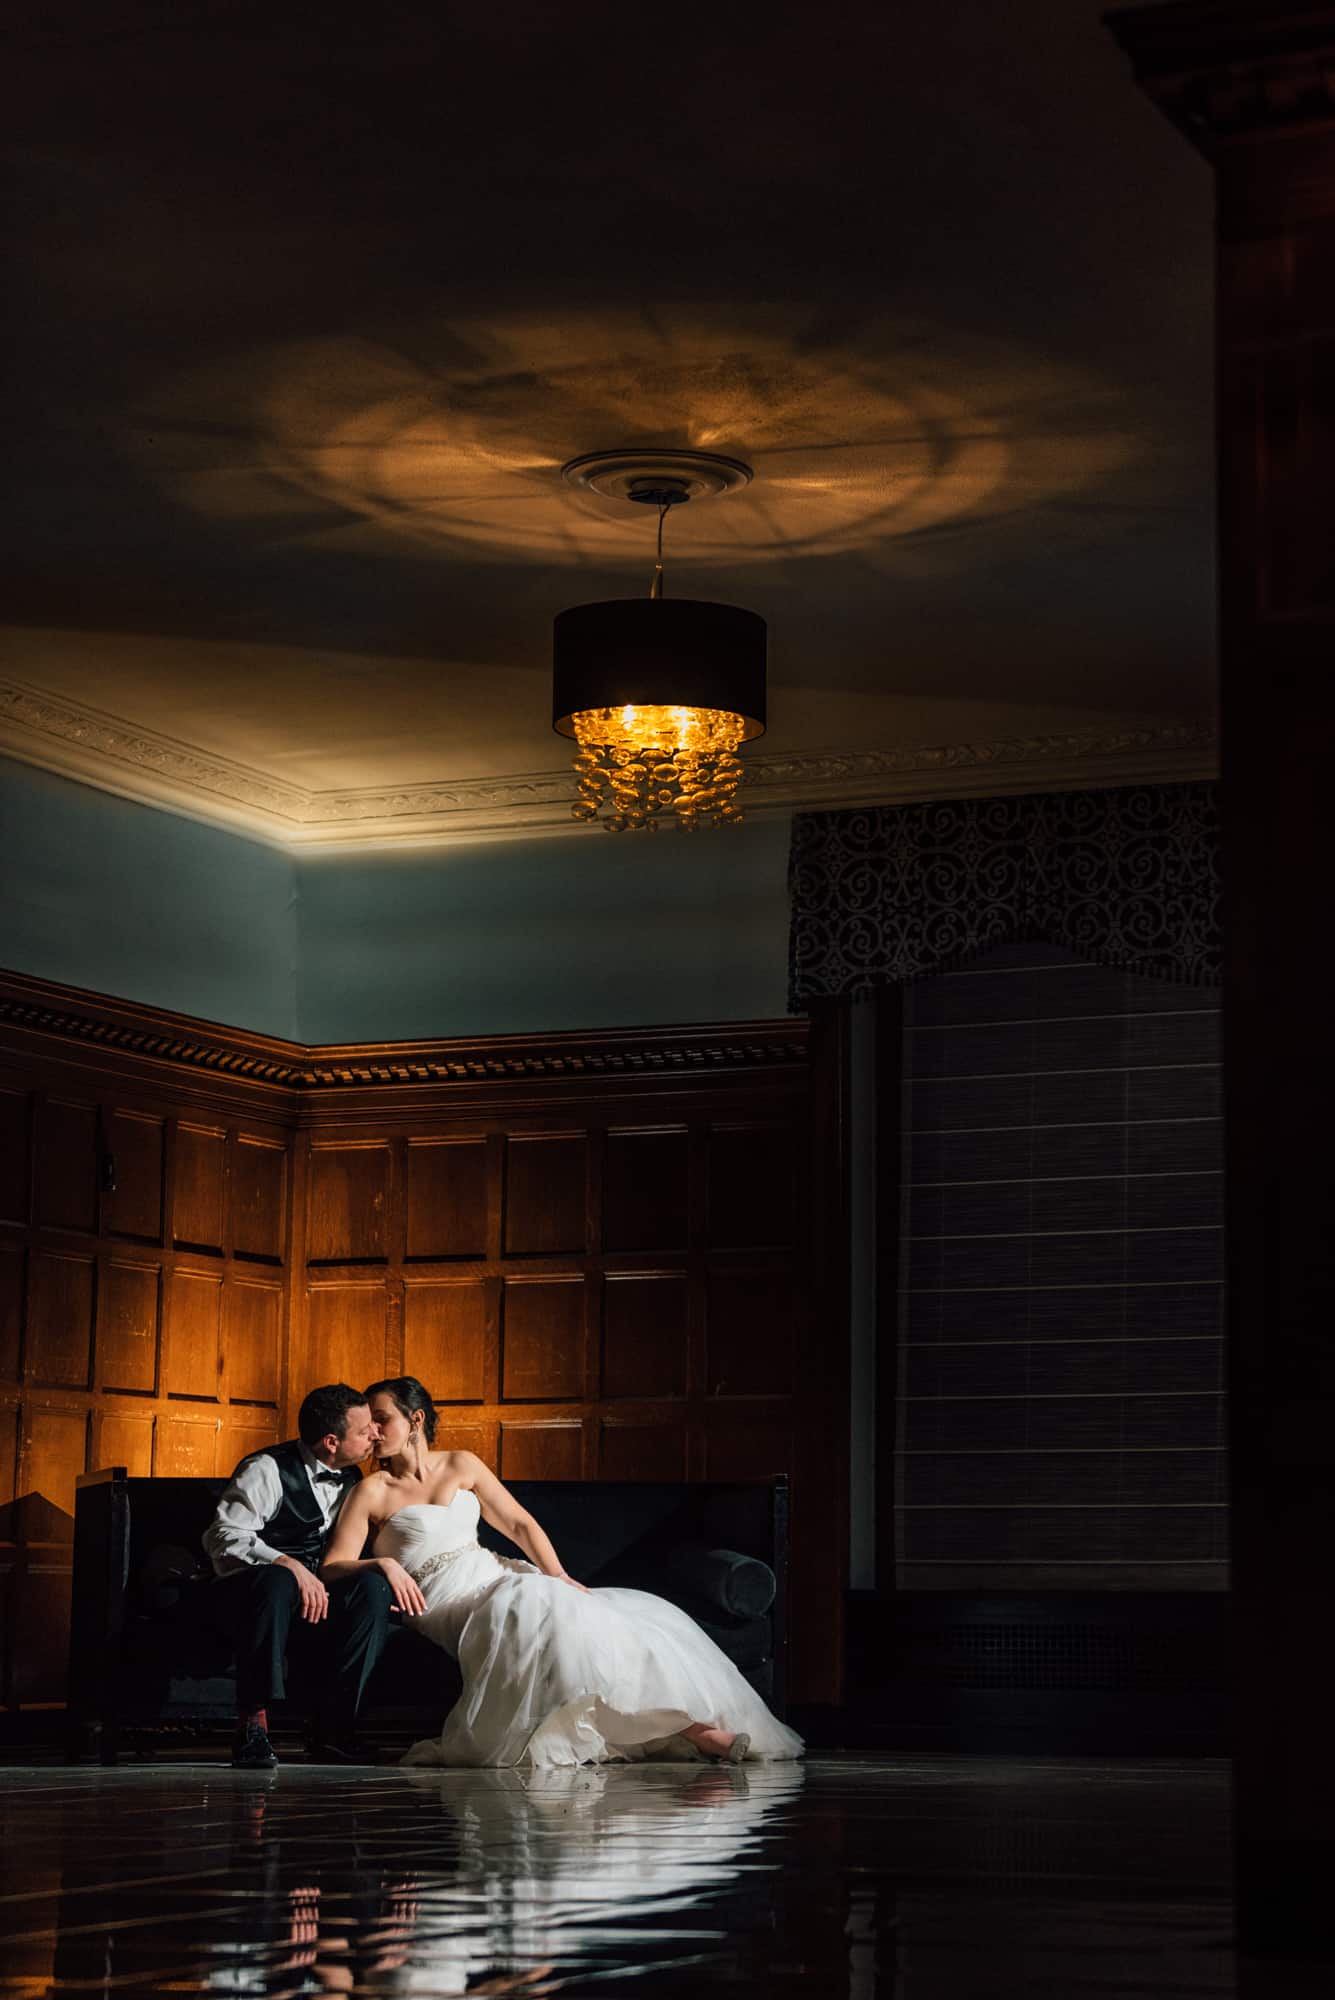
(554, 1674)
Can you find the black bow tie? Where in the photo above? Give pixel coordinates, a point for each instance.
(326, 1472)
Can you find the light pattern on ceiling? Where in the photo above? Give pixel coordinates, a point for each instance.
(908, 442)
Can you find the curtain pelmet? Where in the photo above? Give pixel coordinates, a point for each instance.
(1126, 876)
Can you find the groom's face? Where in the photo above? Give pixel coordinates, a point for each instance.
(360, 1435)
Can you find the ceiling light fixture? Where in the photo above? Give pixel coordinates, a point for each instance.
(660, 693)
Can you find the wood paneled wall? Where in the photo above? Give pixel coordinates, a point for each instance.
(609, 1256)
(143, 1305)
(590, 1297)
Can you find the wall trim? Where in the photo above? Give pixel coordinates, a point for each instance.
(57, 1016)
(99, 749)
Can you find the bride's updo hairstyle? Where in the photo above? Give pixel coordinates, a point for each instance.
(408, 1396)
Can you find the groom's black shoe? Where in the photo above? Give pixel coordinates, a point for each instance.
(252, 1750)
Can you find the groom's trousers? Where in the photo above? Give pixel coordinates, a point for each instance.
(329, 1664)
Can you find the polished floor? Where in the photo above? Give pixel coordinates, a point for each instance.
(918, 1878)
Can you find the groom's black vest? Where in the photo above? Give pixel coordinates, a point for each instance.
(298, 1528)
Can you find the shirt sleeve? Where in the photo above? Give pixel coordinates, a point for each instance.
(233, 1538)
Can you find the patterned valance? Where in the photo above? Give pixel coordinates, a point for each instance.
(1128, 876)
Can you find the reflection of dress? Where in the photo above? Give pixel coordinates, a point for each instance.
(556, 1676)
(602, 1875)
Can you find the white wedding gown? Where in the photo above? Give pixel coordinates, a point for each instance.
(555, 1676)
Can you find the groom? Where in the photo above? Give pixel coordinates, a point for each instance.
(266, 1542)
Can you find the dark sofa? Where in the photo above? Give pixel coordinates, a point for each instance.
(142, 1658)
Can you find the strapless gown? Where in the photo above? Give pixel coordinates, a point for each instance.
(556, 1676)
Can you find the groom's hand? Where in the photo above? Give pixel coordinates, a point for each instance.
(407, 1593)
(314, 1596)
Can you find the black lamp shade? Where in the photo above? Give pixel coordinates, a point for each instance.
(673, 652)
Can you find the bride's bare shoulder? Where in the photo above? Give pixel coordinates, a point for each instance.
(370, 1495)
(462, 1465)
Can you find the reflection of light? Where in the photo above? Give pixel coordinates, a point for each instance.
(871, 445)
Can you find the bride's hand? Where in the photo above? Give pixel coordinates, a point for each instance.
(574, 1583)
(408, 1596)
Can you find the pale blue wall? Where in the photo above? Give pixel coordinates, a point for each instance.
(98, 892)
(588, 930)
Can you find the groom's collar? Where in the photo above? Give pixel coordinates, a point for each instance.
(318, 1467)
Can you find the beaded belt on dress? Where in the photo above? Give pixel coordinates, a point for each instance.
(433, 1563)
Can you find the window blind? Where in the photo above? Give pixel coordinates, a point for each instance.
(1059, 1407)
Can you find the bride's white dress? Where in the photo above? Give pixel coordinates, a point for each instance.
(557, 1676)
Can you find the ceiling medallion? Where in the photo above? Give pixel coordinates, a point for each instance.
(660, 693)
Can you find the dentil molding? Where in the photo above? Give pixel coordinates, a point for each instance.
(102, 750)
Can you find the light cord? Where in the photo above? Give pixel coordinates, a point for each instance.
(656, 587)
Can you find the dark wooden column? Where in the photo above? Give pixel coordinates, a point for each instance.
(1253, 85)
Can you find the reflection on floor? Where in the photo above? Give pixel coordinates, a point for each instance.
(921, 1879)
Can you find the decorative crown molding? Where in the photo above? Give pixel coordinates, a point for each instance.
(92, 742)
(98, 749)
(1224, 69)
(68, 1015)
(884, 777)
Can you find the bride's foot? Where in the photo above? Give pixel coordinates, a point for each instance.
(722, 1744)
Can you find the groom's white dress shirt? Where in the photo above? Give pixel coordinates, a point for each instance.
(233, 1539)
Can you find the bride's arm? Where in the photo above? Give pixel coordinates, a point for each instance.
(343, 1556)
(503, 1511)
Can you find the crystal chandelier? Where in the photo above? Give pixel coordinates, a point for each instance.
(659, 693)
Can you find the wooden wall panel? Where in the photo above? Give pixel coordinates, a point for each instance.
(67, 1164)
(348, 1204)
(53, 1451)
(749, 1333)
(110, 1292)
(9, 1465)
(605, 1291)
(641, 1450)
(186, 1446)
(745, 1448)
(601, 1266)
(542, 1450)
(199, 1177)
(123, 1438)
(194, 1334)
(445, 1325)
(542, 1340)
(252, 1338)
(128, 1312)
(134, 1144)
(447, 1198)
(544, 1193)
(259, 1198)
(346, 1327)
(752, 1190)
(59, 1345)
(13, 1274)
(15, 1157)
(484, 1439)
(645, 1201)
(646, 1317)
(237, 1439)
